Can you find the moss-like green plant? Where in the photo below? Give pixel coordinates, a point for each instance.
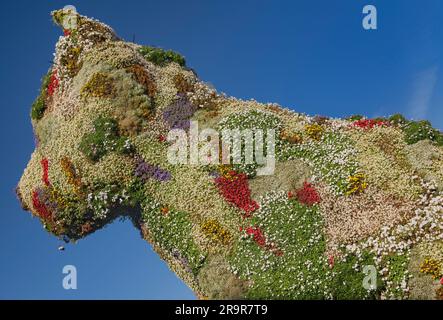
(420, 130)
(38, 108)
(39, 105)
(105, 138)
(162, 57)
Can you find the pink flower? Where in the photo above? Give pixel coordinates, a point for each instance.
(441, 281)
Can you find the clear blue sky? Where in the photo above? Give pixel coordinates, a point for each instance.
(310, 55)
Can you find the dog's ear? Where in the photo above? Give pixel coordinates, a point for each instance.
(71, 22)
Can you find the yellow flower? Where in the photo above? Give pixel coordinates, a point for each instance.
(430, 266)
(214, 231)
(226, 170)
(314, 131)
(357, 184)
(69, 171)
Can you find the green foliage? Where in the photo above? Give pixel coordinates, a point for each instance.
(439, 139)
(380, 119)
(420, 130)
(302, 271)
(323, 155)
(105, 138)
(348, 276)
(103, 198)
(136, 192)
(398, 266)
(398, 120)
(252, 120)
(39, 106)
(355, 117)
(296, 230)
(172, 230)
(161, 57)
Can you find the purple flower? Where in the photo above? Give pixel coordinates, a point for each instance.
(44, 196)
(146, 171)
(214, 174)
(185, 263)
(178, 115)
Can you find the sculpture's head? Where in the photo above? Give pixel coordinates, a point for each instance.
(100, 122)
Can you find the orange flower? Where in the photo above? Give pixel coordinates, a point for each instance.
(164, 210)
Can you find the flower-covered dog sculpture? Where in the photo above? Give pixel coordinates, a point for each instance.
(352, 207)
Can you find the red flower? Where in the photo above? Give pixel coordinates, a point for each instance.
(161, 138)
(53, 83)
(45, 166)
(331, 262)
(441, 281)
(66, 32)
(257, 235)
(235, 189)
(369, 123)
(308, 195)
(39, 206)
